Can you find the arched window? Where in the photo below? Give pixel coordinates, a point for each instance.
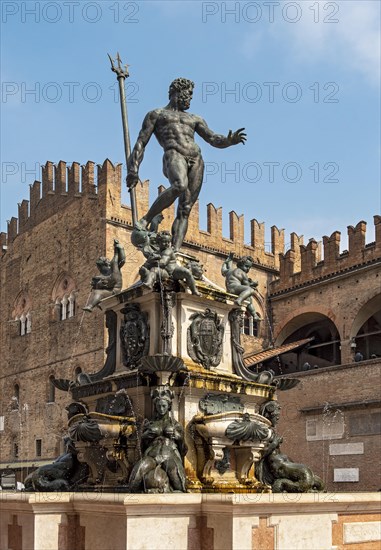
(77, 372)
(28, 323)
(38, 447)
(250, 327)
(15, 402)
(15, 449)
(51, 390)
(64, 297)
(64, 308)
(71, 305)
(22, 324)
(22, 313)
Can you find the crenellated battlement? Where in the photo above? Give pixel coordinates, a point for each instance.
(303, 263)
(60, 185)
(212, 239)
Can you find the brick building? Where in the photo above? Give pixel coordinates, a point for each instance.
(331, 307)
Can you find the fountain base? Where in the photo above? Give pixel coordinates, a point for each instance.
(46, 521)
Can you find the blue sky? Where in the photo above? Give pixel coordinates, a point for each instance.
(303, 79)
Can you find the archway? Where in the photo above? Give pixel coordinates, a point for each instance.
(366, 329)
(323, 351)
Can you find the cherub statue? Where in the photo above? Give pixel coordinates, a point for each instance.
(109, 281)
(160, 470)
(237, 282)
(161, 263)
(145, 241)
(149, 271)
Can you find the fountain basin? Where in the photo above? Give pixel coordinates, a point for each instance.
(95, 426)
(214, 426)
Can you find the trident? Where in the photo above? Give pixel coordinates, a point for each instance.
(121, 74)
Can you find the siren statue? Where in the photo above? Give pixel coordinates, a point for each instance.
(161, 469)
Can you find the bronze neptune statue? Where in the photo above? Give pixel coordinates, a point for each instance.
(182, 161)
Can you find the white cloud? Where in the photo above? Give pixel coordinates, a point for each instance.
(353, 42)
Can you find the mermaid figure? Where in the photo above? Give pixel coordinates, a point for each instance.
(160, 470)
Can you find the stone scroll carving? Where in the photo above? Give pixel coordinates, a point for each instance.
(264, 377)
(236, 323)
(108, 368)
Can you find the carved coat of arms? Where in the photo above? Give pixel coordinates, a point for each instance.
(204, 338)
(134, 335)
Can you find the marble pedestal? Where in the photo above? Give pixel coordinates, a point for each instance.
(94, 521)
(183, 341)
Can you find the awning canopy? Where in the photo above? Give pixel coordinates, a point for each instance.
(255, 358)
